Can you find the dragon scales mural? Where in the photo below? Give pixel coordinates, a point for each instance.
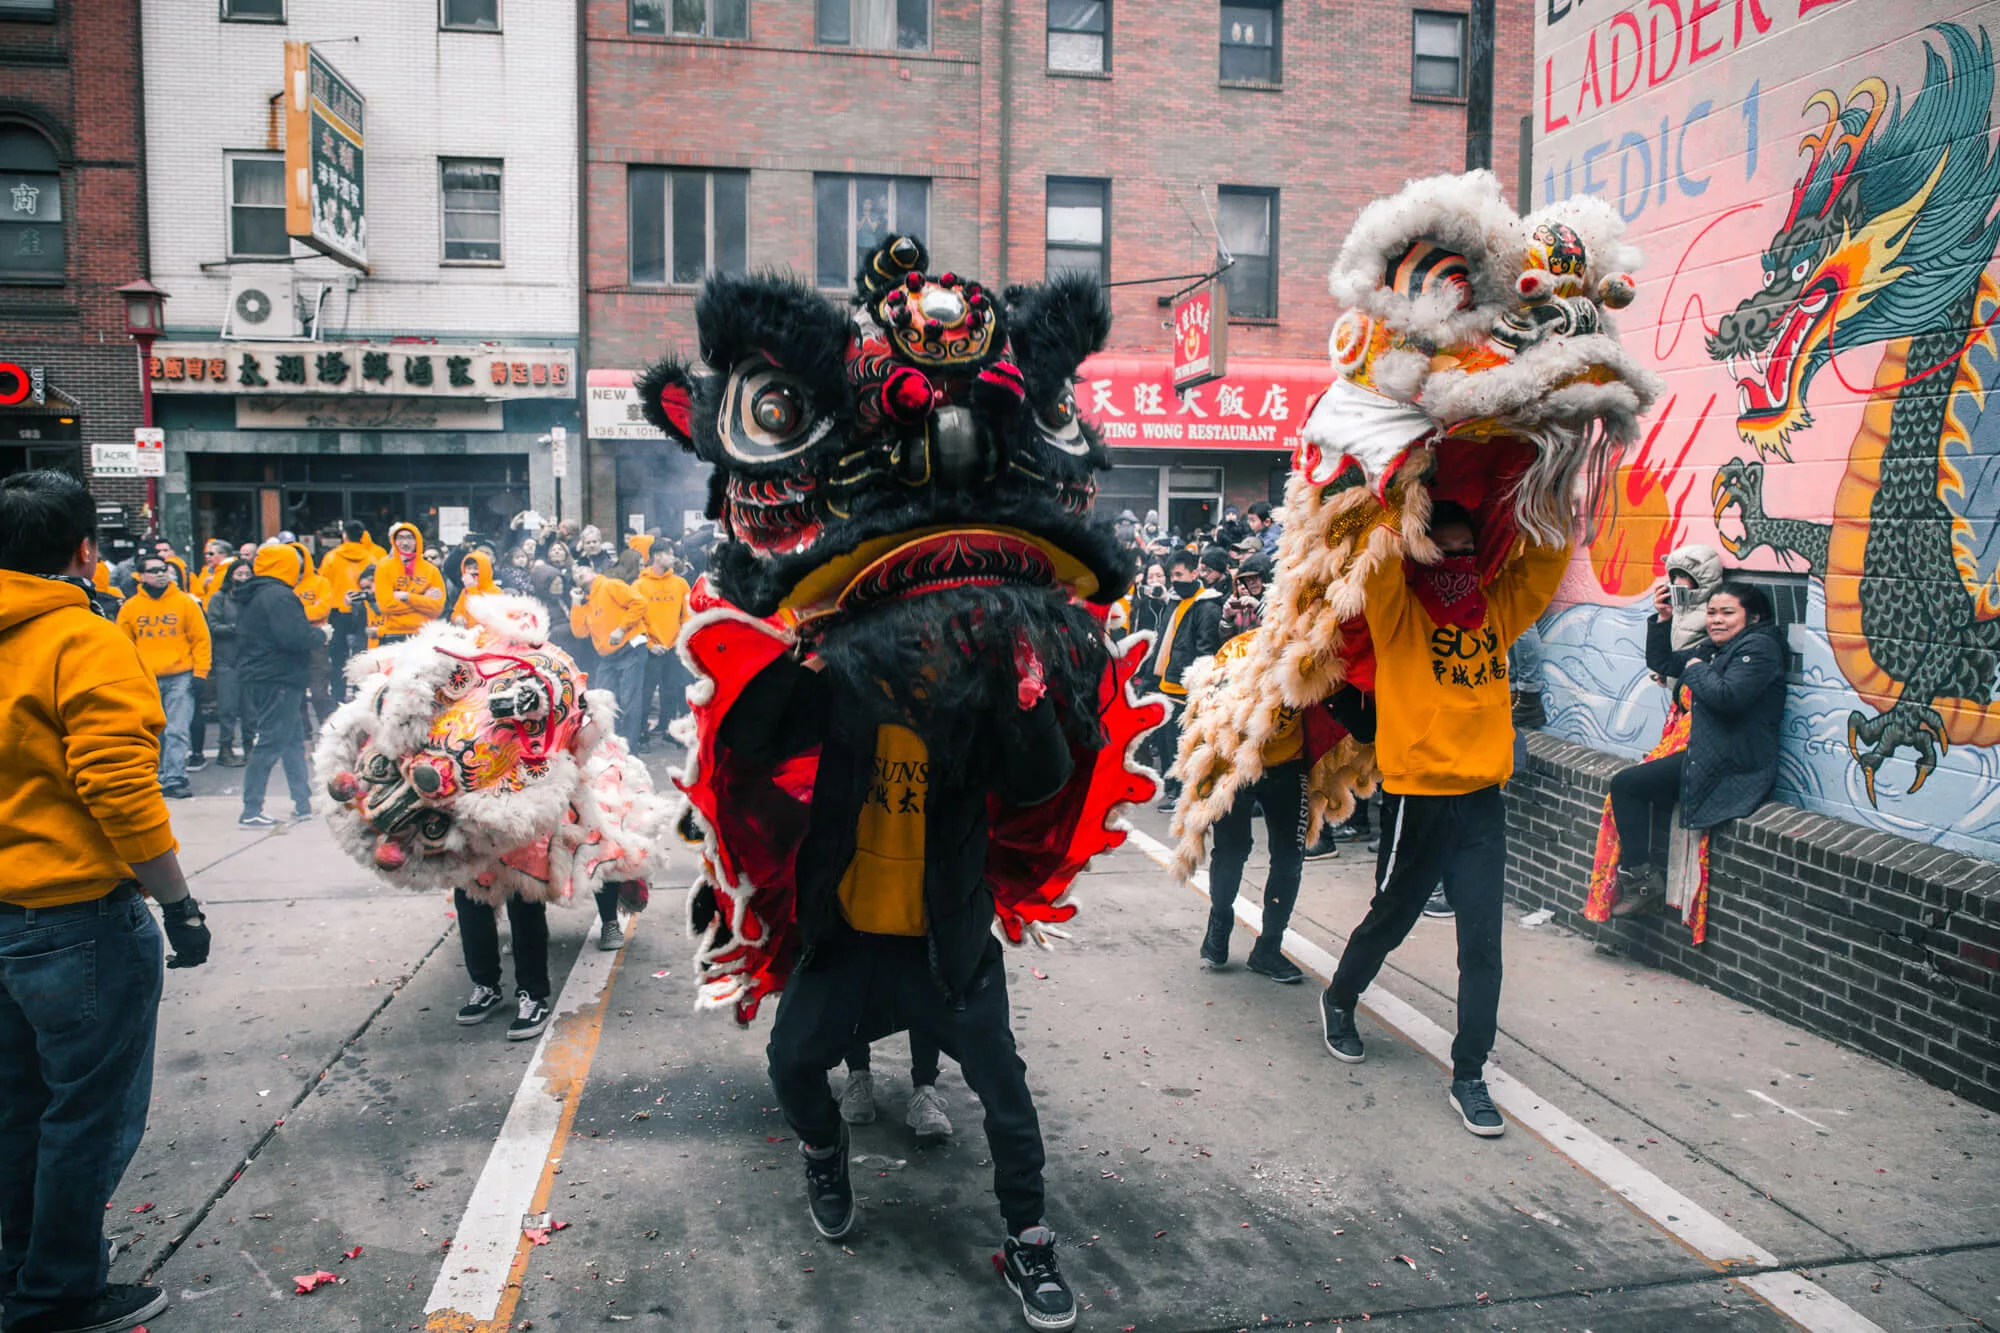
(1822, 194)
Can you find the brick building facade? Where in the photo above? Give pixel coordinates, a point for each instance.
(72, 230)
(1108, 135)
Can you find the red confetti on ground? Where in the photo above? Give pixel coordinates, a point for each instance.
(1158, 1234)
(308, 1282)
(999, 1266)
(354, 1253)
(1404, 1258)
(1039, 974)
(143, 1208)
(539, 1235)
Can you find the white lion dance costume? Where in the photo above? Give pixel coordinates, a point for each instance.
(1478, 364)
(474, 759)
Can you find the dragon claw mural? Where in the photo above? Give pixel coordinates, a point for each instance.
(1859, 457)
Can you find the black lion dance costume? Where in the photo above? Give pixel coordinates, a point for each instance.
(910, 733)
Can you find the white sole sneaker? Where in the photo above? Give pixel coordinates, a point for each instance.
(1035, 1318)
(1483, 1131)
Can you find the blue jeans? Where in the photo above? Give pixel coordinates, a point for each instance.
(1524, 661)
(177, 698)
(79, 1000)
(275, 712)
(623, 673)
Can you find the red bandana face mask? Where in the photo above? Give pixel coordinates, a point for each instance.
(1449, 590)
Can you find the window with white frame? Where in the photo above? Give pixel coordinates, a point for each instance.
(1080, 36)
(469, 15)
(469, 188)
(1250, 48)
(1437, 55)
(854, 214)
(257, 206)
(684, 225)
(1249, 222)
(1078, 228)
(31, 208)
(728, 19)
(876, 25)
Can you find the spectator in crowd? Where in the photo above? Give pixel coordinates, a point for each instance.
(612, 615)
(475, 575)
(556, 555)
(172, 637)
(349, 570)
(247, 552)
(224, 693)
(1147, 610)
(83, 835)
(1243, 609)
(1693, 572)
(1264, 528)
(177, 566)
(513, 574)
(666, 594)
(215, 556)
(103, 591)
(409, 590)
(315, 593)
(274, 652)
(1193, 632)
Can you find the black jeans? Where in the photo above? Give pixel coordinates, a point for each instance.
(923, 1060)
(863, 987)
(479, 936)
(666, 680)
(276, 713)
(1635, 794)
(1462, 839)
(1282, 793)
(1166, 739)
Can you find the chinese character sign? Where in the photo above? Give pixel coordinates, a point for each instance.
(1201, 336)
(1258, 405)
(324, 117)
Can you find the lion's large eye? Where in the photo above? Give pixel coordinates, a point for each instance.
(766, 416)
(1061, 427)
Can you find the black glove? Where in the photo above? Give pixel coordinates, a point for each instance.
(187, 931)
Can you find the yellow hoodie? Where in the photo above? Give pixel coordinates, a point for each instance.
(170, 631)
(612, 608)
(1443, 722)
(100, 579)
(286, 564)
(480, 585)
(666, 604)
(80, 726)
(421, 582)
(314, 590)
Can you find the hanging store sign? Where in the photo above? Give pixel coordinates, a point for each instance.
(400, 370)
(611, 408)
(324, 162)
(329, 412)
(1260, 405)
(1201, 336)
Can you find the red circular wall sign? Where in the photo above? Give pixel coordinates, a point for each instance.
(14, 386)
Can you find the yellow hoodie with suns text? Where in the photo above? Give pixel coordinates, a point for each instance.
(170, 630)
(80, 725)
(417, 579)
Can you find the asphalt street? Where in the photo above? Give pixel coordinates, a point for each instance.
(1673, 1161)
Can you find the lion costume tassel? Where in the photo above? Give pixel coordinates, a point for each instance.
(1477, 363)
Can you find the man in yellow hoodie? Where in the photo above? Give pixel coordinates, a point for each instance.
(665, 593)
(409, 590)
(1444, 740)
(349, 570)
(215, 557)
(83, 836)
(614, 617)
(172, 636)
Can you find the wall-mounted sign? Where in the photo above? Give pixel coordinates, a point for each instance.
(20, 384)
(1201, 336)
(611, 409)
(1260, 405)
(115, 460)
(149, 447)
(396, 370)
(356, 412)
(323, 157)
(559, 452)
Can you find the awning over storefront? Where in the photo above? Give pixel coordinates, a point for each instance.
(1259, 406)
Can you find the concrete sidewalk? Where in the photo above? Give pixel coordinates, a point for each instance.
(1210, 1166)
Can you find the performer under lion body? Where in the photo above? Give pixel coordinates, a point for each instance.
(1476, 363)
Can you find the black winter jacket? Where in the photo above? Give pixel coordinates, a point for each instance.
(788, 709)
(1738, 695)
(1199, 635)
(274, 640)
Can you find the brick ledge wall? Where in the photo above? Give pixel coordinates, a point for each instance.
(1880, 943)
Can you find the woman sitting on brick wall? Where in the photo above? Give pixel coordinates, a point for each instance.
(1718, 756)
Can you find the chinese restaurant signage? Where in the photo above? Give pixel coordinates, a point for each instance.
(1201, 336)
(1258, 405)
(323, 157)
(407, 370)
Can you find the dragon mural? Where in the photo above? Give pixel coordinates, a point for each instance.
(1888, 240)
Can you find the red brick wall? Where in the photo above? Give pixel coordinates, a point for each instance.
(78, 81)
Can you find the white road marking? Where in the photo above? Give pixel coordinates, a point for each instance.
(1808, 1305)
(474, 1275)
(1766, 1097)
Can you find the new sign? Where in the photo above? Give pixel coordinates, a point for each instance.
(323, 157)
(611, 408)
(405, 370)
(1201, 336)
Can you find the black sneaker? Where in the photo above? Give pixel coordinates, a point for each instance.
(1170, 796)
(1273, 964)
(1476, 1108)
(176, 791)
(1215, 947)
(195, 763)
(530, 1020)
(256, 821)
(1351, 832)
(829, 1196)
(480, 1007)
(1439, 906)
(1028, 1262)
(1375, 845)
(1325, 849)
(115, 1309)
(1342, 1037)
(1528, 713)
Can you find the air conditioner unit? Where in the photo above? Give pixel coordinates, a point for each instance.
(263, 304)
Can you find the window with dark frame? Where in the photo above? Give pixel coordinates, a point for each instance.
(722, 19)
(854, 214)
(1249, 223)
(470, 190)
(257, 207)
(1078, 228)
(469, 15)
(876, 25)
(1250, 41)
(27, 9)
(1079, 36)
(685, 224)
(1437, 54)
(31, 211)
(253, 11)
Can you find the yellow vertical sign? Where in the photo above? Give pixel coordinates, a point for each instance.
(298, 142)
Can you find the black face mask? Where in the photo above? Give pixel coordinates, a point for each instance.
(1186, 587)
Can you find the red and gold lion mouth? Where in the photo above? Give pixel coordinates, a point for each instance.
(1768, 382)
(777, 517)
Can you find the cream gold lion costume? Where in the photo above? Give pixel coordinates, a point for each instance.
(1476, 362)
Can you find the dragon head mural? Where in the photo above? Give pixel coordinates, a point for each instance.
(1477, 363)
(473, 758)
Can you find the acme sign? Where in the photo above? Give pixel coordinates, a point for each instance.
(404, 370)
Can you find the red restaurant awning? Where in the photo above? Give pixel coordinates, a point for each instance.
(1258, 406)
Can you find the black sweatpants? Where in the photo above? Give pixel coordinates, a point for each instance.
(864, 987)
(1635, 794)
(923, 1060)
(479, 936)
(1282, 792)
(1462, 839)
